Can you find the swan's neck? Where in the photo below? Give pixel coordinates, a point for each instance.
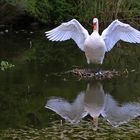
(95, 27)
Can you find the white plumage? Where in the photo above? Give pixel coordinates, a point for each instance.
(95, 46)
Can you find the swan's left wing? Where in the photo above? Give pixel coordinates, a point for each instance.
(119, 31)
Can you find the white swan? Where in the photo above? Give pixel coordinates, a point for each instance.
(95, 46)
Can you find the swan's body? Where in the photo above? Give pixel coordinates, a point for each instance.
(95, 46)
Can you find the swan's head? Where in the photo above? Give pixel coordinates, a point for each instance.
(95, 24)
(95, 20)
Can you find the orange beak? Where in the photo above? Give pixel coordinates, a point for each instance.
(94, 26)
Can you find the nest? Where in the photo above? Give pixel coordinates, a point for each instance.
(91, 74)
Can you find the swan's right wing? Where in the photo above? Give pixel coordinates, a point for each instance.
(69, 30)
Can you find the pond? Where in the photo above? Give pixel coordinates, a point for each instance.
(37, 102)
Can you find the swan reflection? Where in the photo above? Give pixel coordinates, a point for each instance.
(117, 114)
(72, 112)
(95, 102)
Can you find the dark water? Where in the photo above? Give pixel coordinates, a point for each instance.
(27, 88)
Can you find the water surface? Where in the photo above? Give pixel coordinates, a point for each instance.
(26, 89)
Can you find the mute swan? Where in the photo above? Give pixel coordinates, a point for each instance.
(95, 46)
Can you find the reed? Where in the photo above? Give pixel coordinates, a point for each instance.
(108, 10)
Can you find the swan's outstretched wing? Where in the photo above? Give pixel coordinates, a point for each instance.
(72, 112)
(119, 31)
(118, 115)
(69, 30)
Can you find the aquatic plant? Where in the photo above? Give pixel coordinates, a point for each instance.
(5, 65)
(84, 130)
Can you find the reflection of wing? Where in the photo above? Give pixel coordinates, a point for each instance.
(118, 115)
(72, 112)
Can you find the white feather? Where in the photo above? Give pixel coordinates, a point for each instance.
(119, 31)
(69, 30)
(94, 45)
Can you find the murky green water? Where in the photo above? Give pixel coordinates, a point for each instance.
(29, 86)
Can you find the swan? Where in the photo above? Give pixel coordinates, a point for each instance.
(95, 46)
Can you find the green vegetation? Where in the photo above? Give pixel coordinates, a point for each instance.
(54, 12)
(5, 65)
(10, 10)
(25, 90)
